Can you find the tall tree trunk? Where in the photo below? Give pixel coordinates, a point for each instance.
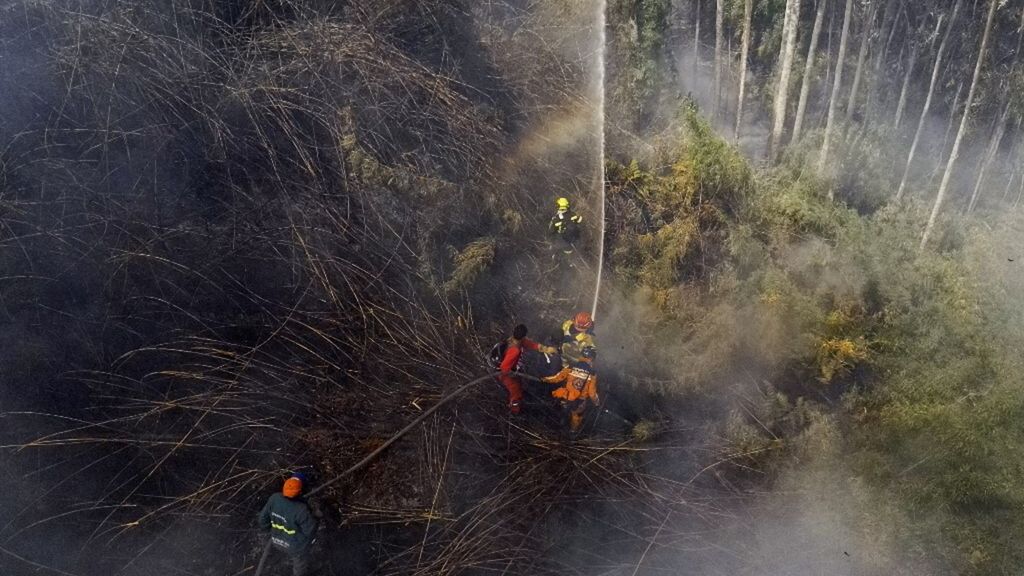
(1000, 129)
(1014, 154)
(717, 83)
(906, 85)
(836, 85)
(828, 49)
(947, 175)
(949, 125)
(805, 84)
(890, 21)
(748, 12)
(1009, 184)
(990, 154)
(865, 40)
(696, 41)
(1020, 192)
(940, 154)
(727, 74)
(789, 28)
(936, 68)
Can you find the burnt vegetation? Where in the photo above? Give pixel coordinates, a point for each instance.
(239, 238)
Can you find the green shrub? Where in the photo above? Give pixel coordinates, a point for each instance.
(903, 365)
(671, 222)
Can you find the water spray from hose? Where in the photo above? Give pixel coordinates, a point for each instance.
(599, 100)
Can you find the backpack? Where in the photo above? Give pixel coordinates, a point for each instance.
(498, 354)
(543, 365)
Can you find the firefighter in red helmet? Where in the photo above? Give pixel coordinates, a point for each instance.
(577, 333)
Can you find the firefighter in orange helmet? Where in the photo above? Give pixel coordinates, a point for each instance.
(290, 523)
(577, 333)
(579, 384)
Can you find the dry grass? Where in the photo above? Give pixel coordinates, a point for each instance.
(242, 202)
(249, 220)
(470, 263)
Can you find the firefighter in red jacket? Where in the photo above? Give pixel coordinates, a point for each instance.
(510, 363)
(579, 384)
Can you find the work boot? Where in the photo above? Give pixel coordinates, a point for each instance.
(575, 421)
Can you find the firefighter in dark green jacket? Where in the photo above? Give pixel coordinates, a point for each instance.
(291, 525)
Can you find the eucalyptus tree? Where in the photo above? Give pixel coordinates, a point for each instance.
(717, 83)
(836, 85)
(865, 40)
(1000, 128)
(789, 28)
(901, 104)
(748, 12)
(936, 69)
(955, 153)
(696, 38)
(805, 84)
(891, 18)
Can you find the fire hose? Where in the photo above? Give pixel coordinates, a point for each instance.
(394, 438)
(397, 435)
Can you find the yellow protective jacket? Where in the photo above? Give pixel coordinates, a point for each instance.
(579, 382)
(565, 224)
(573, 341)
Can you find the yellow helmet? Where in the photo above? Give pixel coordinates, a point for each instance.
(563, 203)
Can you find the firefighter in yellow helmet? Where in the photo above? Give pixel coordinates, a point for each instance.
(565, 226)
(578, 385)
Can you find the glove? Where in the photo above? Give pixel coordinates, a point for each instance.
(549, 349)
(315, 509)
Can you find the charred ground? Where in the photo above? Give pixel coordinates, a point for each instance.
(243, 237)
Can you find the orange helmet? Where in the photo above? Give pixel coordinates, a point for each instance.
(583, 321)
(292, 487)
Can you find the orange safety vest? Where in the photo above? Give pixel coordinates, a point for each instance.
(580, 382)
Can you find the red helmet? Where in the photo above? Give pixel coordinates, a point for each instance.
(583, 321)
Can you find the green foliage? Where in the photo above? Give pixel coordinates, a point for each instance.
(673, 219)
(935, 421)
(791, 206)
(638, 57)
(720, 173)
(768, 18)
(843, 344)
(903, 365)
(861, 173)
(942, 428)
